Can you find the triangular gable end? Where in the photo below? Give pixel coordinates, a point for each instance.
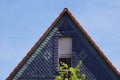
(41, 61)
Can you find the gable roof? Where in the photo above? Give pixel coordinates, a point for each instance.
(52, 25)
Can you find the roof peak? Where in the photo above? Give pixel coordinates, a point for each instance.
(65, 9)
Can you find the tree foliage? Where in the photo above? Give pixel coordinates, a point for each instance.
(66, 73)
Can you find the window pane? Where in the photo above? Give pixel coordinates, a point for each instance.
(65, 60)
(65, 45)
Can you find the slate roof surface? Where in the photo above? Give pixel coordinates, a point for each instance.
(52, 25)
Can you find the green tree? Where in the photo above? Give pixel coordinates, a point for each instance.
(66, 73)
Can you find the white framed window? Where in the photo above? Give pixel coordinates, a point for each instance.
(65, 50)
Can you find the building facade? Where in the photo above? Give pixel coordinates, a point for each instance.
(64, 41)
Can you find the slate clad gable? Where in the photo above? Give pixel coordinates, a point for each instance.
(41, 62)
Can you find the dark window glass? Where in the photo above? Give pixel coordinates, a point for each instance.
(65, 60)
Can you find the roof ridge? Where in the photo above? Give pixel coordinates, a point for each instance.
(65, 9)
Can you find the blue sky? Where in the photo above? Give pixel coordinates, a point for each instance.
(22, 22)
